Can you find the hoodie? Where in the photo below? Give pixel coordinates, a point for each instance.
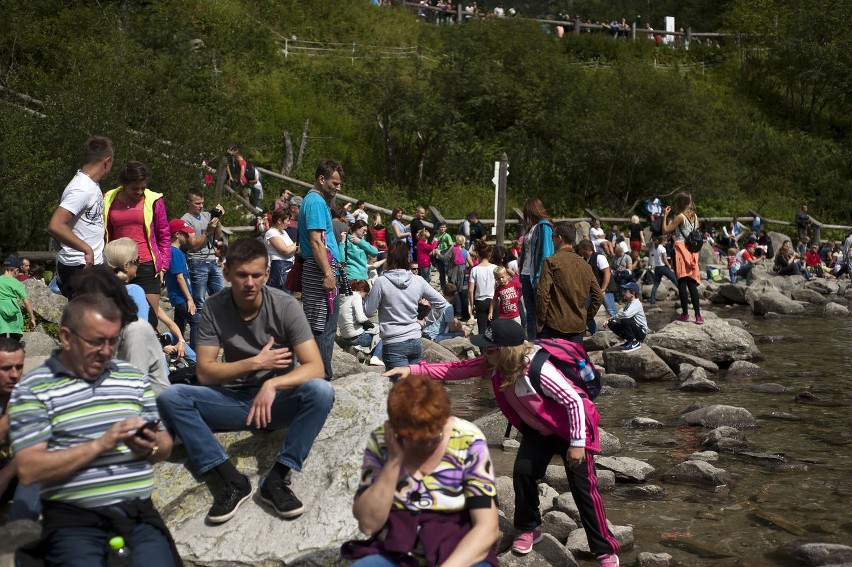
(394, 296)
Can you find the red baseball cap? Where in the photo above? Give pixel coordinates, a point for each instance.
(180, 225)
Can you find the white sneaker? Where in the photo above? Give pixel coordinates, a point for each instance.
(376, 361)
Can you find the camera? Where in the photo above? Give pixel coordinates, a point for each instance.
(215, 213)
(165, 339)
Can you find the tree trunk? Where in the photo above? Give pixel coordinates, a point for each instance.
(287, 163)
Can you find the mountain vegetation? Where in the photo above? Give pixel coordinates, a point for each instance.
(761, 122)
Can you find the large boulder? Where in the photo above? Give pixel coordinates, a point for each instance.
(823, 286)
(433, 352)
(734, 293)
(39, 344)
(817, 553)
(46, 304)
(344, 364)
(577, 542)
(697, 473)
(625, 468)
(810, 296)
(255, 536)
(675, 358)
(835, 310)
(775, 302)
(493, 426)
(461, 347)
(600, 341)
(715, 340)
(641, 364)
(706, 257)
(718, 415)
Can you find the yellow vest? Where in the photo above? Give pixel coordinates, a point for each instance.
(147, 215)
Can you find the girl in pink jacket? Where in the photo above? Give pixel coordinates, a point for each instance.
(561, 420)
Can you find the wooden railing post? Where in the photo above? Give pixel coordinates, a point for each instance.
(501, 199)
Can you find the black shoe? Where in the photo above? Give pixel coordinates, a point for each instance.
(279, 496)
(227, 499)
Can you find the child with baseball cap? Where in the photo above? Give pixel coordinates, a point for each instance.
(630, 323)
(177, 276)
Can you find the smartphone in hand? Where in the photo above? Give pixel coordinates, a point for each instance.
(152, 425)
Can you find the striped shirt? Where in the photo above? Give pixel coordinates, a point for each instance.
(51, 405)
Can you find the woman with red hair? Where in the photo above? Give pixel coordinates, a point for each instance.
(427, 492)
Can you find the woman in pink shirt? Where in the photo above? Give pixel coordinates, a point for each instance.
(134, 211)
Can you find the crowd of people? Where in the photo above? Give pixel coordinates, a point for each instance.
(109, 402)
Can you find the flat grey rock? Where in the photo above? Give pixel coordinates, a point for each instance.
(718, 415)
(626, 468)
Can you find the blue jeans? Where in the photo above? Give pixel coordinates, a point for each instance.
(382, 561)
(397, 355)
(365, 340)
(528, 290)
(194, 412)
(87, 547)
(426, 273)
(26, 504)
(611, 309)
(659, 273)
(448, 336)
(205, 278)
(609, 304)
(278, 272)
(325, 339)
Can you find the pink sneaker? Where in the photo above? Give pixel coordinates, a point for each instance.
(523, 544)
(609, 560)
(699, 320)
(684, 318)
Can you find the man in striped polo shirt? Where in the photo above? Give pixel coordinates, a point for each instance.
(86, 428)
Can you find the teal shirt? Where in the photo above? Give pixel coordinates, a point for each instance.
(355, 257)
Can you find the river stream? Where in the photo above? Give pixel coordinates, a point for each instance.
(806, 497)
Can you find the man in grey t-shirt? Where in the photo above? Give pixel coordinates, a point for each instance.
(204, 274)
(273, 378)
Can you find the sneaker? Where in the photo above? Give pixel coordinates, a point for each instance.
(631, 346)
(280, 497)
(699, 320)
(609, 560)
(228, 499)
(523, 544)
(376, 361)
(683, 317)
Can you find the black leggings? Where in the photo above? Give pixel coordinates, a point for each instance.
(684, 284)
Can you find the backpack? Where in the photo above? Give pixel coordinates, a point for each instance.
(565, 356)
(458, 256)
(694, 240)
(251, 172)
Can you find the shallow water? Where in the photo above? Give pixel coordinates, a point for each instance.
(809, 494)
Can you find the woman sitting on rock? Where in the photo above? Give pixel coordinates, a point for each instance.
(355, 327)
(556, 419)
(427, 492)
(787, 262)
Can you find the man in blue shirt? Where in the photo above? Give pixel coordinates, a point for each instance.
(318, 247)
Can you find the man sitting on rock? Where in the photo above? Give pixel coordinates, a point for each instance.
(87, 428)
(630, 323)
(263, 332)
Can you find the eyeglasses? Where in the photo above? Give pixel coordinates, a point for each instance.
(96, 344)
(135, 261)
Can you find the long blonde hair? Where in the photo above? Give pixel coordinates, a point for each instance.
(117, 253)
(512, 364)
